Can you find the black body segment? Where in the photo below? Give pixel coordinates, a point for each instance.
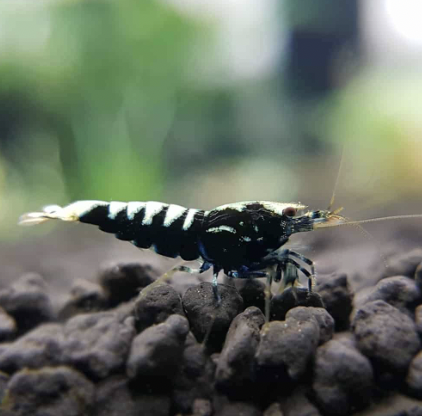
(236, 236)
(169, 230)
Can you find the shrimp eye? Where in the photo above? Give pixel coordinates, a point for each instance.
(290, 211)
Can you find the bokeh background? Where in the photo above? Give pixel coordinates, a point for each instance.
(205, 102)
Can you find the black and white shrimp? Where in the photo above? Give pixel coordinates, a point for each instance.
(244, 239)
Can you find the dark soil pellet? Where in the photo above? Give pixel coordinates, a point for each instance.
(49, 391)
(235, 363)
(323, 318)
(342, 379)
(289, 299)
(337, 297)
(252, 292)
(208, 318)
(387, 336)
(195, 380)
(8, 327)
(28, 302)
(157, 351)
(115, 397)
(98, 344)
(43, 346)
(155, 305)
(124, 281)
(127, 345)
(286, 347)
(399, 291)
(84, 297)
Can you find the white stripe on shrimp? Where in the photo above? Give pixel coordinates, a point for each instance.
(76, 210)
(133, 208)
(114, 208)
(221, 228)
(189, 218)
(173, 213)
(152, 208)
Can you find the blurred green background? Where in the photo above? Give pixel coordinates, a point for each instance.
(202, 103)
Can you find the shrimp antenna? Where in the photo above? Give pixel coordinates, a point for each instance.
(359, 222)
(364, 232)
(340, 168)
(343, 221)
(370, 237)
(394, 217)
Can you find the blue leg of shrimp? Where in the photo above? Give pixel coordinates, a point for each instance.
(290, 276)
(282, 259)
(249, 274)
(311, 277)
